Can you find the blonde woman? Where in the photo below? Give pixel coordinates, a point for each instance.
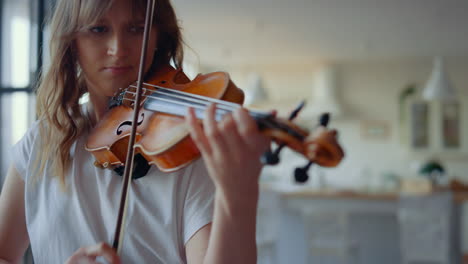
(55, 200)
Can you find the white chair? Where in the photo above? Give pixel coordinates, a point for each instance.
(427, 229)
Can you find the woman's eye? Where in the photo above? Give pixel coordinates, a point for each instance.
(98, 29)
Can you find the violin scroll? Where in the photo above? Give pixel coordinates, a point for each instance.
(322, 148)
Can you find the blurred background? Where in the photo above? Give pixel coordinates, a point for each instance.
(394, 76)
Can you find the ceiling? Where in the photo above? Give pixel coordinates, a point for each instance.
(263, 32)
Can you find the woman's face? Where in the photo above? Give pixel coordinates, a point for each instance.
(108, 51)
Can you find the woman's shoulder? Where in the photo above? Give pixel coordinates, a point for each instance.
(23, 151)
(191, 178)
(198, 179)
(196, 171)
(31, 133)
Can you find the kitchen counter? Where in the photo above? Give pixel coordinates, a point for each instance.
(459, 197)
(340, 195)
(369, 221)
(306, 192)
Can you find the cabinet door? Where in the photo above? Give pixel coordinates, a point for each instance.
(438, 128)
(375, 237)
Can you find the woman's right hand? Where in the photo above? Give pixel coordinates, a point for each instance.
(88, 255)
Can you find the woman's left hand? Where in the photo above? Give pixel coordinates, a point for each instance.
(231, 150)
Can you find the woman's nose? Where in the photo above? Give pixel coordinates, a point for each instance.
(117, 45)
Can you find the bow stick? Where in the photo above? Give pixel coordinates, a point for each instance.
(120, 226)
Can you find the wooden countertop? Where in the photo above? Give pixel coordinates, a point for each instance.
(340, 195)
(459, 196)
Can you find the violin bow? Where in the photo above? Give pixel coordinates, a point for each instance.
(120, 226)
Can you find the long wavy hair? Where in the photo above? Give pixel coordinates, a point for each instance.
(62, 85)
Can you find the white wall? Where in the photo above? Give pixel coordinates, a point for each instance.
(369, 90)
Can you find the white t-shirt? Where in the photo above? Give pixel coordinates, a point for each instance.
(164, 209)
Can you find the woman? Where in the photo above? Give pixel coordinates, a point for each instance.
(55, 200)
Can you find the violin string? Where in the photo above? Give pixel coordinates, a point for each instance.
(214, 100)
(176, 102)
(264, 122)
(219, 103)
(187, 98)
(261, 118)
(200, 99)
(198, 105)
(185, 94)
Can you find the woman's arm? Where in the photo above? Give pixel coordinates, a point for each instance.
(14, 236)
(231, 150)
(230, 239)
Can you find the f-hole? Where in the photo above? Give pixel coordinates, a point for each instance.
(129, 123)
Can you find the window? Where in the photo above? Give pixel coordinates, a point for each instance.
(21, 38)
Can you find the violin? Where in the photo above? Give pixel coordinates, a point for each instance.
(163, 139)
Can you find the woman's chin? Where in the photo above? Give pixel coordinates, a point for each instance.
(114, 90)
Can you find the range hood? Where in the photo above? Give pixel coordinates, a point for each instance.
(255, 93)
(324, 95)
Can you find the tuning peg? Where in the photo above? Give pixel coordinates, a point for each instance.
(272, 157)
(296, 111)
(300, 174)
(324, 119)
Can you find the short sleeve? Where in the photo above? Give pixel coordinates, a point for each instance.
(199, 202)
(22, 152)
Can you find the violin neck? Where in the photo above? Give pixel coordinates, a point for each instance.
(174, 104)
(177, 103)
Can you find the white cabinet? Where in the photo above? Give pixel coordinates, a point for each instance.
(338, 231)
(359, 228)
(331, 230)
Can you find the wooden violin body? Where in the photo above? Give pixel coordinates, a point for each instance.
(162, 139)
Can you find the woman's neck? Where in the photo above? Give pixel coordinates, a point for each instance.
(97, 107)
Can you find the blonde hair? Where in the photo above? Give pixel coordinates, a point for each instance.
(61, 87)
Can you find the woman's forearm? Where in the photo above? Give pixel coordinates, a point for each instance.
(232, 238)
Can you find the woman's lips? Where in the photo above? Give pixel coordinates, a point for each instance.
(117, 70)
